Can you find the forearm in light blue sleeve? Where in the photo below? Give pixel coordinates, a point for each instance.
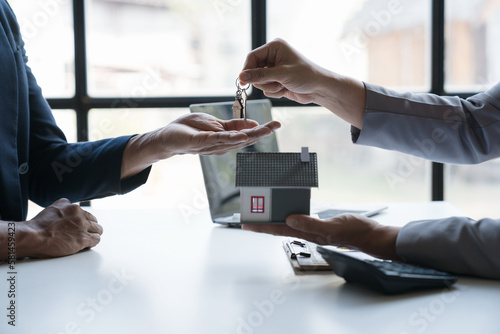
(457, 244)
(443, 129)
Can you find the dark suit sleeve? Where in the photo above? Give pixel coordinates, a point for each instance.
(457, 244)
(77, 171)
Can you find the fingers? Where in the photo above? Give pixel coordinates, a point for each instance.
(60, 203)
(92, 240)
(95, 228)
(262, 75)
(89, 221)
(262, 64)
(260, 57)
(273, 125)
(258, 133)
(269, 229)
(283, 230)
(262, 130)
(225, 130)
(311, 225)
(89, 235)
(265, 55)
(200, 122)
(198, 134)
(238, 124)
(219, 148)
(220, 143)
(89, 216)
(270, 88)
(214, 139)
(278, 94)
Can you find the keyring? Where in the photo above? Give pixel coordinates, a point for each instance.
(239, 86)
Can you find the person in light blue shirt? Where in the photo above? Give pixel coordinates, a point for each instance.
(444, 129)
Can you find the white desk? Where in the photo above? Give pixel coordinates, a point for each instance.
(179, 276)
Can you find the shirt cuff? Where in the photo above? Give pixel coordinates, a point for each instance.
(134, 181)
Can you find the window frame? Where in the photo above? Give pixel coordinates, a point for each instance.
(82, 102)
(257, 208)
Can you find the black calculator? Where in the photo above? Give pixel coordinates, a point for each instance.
(389, 277)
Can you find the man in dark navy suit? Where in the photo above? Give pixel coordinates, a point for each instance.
(37, 163)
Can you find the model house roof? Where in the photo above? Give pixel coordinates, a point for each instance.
(273, 169)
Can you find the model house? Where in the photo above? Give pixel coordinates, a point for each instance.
(275, 185)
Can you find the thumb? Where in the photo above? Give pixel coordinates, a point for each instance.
(260, 75)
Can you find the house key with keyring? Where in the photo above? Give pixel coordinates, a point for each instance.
(240, 102)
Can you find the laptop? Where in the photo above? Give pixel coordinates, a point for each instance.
(219, 170)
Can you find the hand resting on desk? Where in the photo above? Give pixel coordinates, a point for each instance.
(59, 230)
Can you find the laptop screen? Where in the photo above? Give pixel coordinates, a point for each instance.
(219, 170)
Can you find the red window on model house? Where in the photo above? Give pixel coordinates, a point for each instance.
(257, 204)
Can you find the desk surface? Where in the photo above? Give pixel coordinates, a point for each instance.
(175, 272)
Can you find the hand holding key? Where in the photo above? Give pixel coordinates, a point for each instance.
(281, 71)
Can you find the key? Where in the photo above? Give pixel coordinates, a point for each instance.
(240, 102)
(238, 108)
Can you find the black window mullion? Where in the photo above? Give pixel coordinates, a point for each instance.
(259, 33)
(81, 95)
(259, 23)
(437, 84)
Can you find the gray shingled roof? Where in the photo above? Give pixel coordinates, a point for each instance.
(271, 169)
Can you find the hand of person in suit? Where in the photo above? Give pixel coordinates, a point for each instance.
(195, 133)
(281, 71)
(59, 230)
(204, 134)
(347, 230)
(64, 228)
